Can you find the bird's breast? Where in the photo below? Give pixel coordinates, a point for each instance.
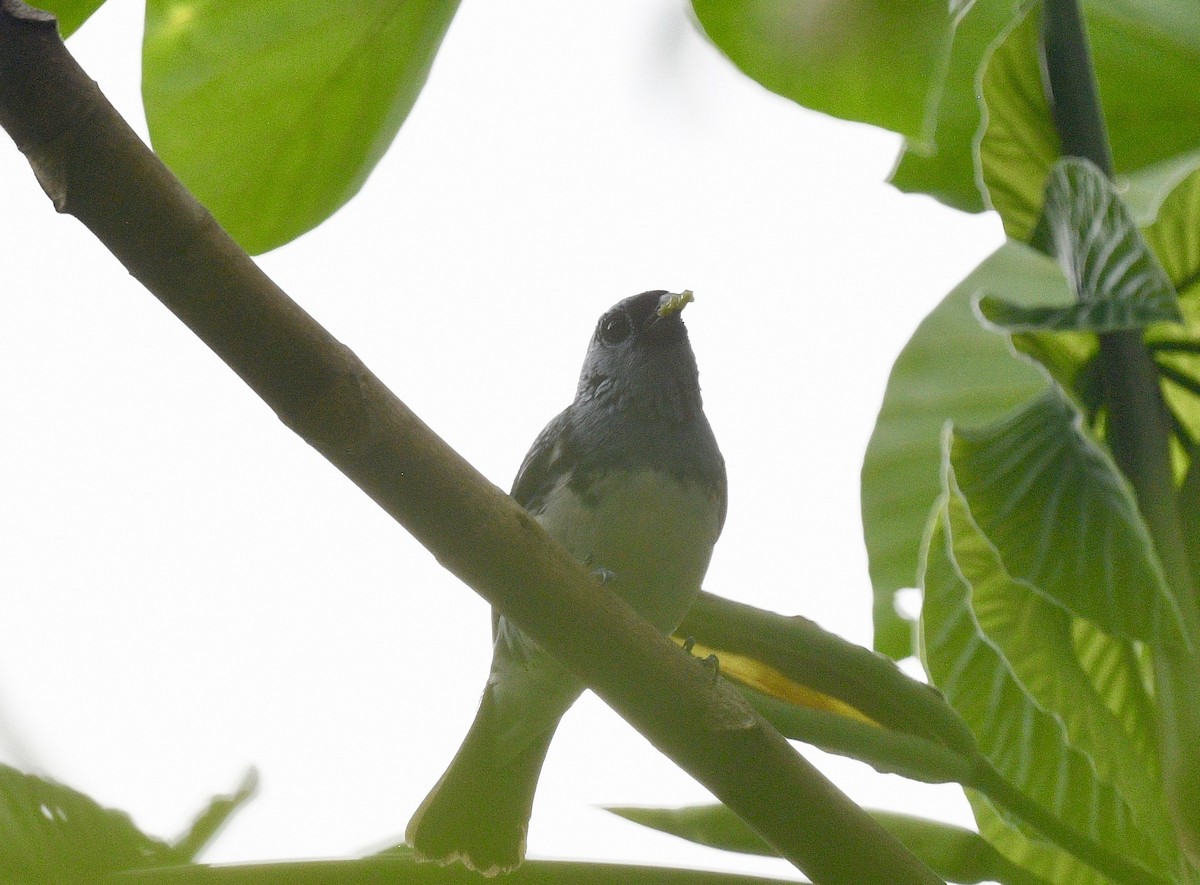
(653, 532)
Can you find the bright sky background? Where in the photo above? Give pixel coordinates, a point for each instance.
(189, 590)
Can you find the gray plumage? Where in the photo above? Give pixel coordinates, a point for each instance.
(630, 480)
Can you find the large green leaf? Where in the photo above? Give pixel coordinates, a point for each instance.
(875, 61)
(1019, 143)
(1113, 670)
(952, 368)
(946, 168)
(1027, 743)
(954, 853)
(273, 112)
(1040, 858)
(1064, 520)
(1031, 488)
(1116, 280)
(1145, 55)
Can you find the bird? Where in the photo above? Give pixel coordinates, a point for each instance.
(630, 480)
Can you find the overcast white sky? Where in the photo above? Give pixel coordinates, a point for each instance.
(188, 589)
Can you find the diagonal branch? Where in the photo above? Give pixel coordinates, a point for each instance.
(95, 168)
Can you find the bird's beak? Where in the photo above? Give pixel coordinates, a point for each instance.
(672, 303)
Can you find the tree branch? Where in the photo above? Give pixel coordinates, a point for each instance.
(94, 167)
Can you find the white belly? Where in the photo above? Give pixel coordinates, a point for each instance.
(654, 534)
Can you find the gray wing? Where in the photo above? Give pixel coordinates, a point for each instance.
(552, 454)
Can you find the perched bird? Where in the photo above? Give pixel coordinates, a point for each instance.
(629, 479)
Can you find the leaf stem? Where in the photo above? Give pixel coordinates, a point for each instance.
(1182, 379)
(1138, 433)
(1171, 345)
(1074, 98)
(1116, 866)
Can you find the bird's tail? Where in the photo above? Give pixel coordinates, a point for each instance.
(478, 813)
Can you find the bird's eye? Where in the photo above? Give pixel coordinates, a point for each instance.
(614, 328)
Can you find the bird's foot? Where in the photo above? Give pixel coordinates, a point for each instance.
(604, 576)
(712, 662)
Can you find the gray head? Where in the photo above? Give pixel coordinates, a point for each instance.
(640, 358)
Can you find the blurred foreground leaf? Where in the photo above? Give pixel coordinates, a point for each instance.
(70, 13)
(52, 834)
(875, 61)
(213, 819)
(274, 112)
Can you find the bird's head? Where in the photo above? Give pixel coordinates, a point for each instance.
(640, 356)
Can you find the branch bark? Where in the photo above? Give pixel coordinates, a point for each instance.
(94, 167)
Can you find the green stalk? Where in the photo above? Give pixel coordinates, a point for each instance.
(1108, 861)
(1138, 431)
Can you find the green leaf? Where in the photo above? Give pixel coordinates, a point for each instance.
(1089, 680)
(1063, 520)
(874, 61)
(70, 13)
(1019, 143)
(951, 369)
(52, 834)
(1114, 671)
(1042, 859)
(954, 853)
(952, 366)
(946, 168)
(1174, 235)
(1173, 228)
(210, 821)
(1167, 198)
(1116, 280)
(1144, 56)
(1027, 743)
(273, 113)
(1145, 191)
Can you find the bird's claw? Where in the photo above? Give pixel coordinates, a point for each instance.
(712, 662)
